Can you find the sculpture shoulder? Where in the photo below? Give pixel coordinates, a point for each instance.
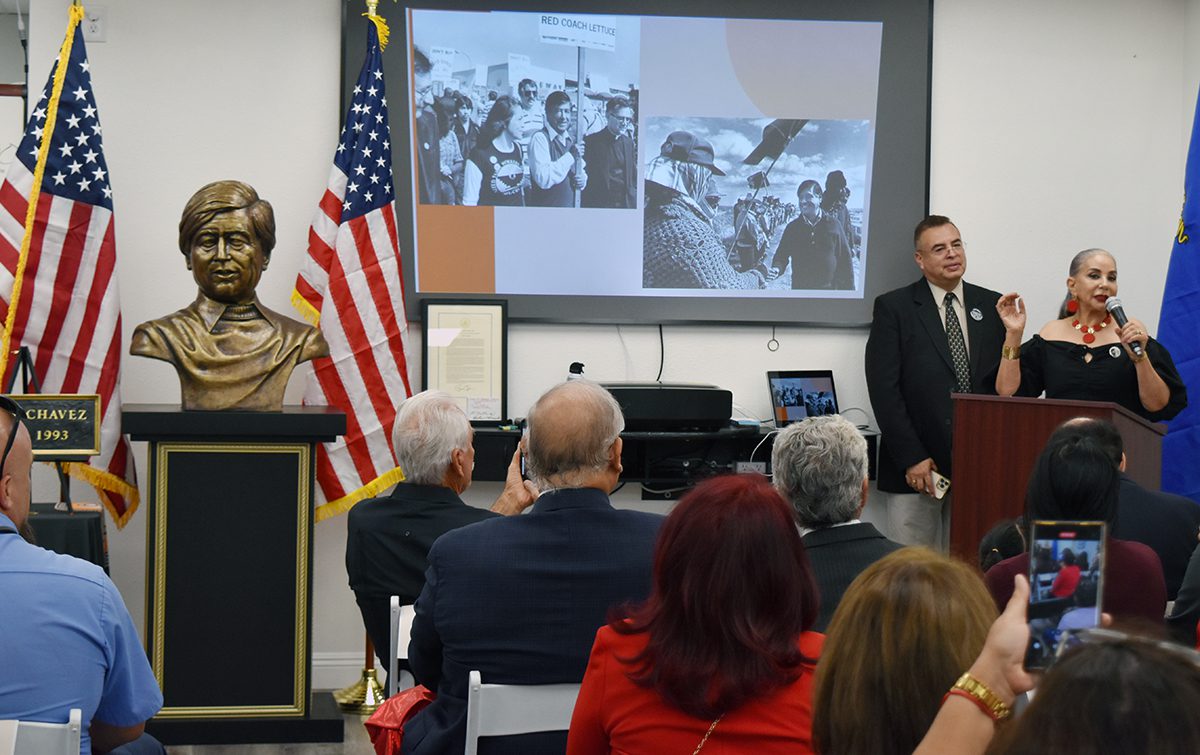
(312, 342)
(153, 337)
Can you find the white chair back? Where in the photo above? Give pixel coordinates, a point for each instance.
(497, 710)
(35, 738)
(400, 630)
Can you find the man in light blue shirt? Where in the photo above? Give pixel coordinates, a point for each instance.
(69, 641)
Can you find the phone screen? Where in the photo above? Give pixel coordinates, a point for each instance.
(1066, 584)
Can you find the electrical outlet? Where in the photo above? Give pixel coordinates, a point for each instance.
(743, 467)
(95, 24)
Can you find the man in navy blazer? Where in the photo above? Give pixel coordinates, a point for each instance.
(520, 598)
(911, 374)
(820, 467)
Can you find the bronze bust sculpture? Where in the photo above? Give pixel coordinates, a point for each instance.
(229, 350)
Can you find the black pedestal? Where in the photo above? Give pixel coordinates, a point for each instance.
(228, 569)
(324, 723)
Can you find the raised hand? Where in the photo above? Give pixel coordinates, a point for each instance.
(1011, 309)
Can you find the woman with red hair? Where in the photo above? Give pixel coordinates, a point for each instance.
(720, 653)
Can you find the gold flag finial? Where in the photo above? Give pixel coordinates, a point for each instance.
(380, 23)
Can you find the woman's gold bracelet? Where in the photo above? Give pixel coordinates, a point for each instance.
(1011, 352)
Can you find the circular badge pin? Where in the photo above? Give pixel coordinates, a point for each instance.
(425, 145)
(1114, 351)
(976, 315)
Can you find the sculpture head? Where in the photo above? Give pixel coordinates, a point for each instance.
(227, 234)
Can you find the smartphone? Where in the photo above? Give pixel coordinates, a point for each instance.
(941, 485)
(1066, 586)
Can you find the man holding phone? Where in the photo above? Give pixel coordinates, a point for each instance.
(929, 339)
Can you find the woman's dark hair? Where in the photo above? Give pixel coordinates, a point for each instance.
(1073, 479)
(497, 118)
(1115, 697)
(1005, 540)
(1068, 557)
(732, 592)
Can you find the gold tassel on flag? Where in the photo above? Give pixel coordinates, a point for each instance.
(380, 24)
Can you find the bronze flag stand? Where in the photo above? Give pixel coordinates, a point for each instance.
(365, 695)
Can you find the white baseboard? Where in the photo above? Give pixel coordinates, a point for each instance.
(341, 669)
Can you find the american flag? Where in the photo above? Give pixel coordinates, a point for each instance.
(351, 285)
(58, 282)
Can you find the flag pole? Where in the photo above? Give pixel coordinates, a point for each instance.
(366, 694)
(74, 16)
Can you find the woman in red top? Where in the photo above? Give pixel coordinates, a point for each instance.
(720, 654)
(1068, 576)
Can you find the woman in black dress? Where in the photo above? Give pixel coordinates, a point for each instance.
(1085, 355)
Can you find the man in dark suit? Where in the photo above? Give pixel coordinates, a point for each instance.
(520, 598)
(388, 538)
(612, 160)
(1165, 522)
(820, 467)
(928, 339)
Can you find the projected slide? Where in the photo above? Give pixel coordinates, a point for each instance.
(580, 154)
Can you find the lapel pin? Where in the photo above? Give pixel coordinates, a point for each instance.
(976, 315)
(1114, 351)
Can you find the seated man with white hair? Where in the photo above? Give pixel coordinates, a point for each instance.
(520, 598)
(388, 538)
(820, 467)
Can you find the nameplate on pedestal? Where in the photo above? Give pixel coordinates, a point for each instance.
(62, 426)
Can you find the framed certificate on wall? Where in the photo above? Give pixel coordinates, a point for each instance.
(466, 354)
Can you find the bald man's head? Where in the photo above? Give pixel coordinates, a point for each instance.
(14, 477)
(572, 430)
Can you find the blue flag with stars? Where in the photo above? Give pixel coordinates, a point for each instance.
(1179, 331)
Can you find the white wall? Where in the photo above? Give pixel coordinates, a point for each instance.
(12, 71)
(1056, 126)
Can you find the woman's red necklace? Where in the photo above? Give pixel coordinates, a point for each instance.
(1089, 331)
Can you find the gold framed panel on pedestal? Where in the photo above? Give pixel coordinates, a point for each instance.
(164, 454)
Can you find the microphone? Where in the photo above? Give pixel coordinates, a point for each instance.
(1113, 305)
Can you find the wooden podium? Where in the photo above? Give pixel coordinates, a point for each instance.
(228, 571)
(996, 441)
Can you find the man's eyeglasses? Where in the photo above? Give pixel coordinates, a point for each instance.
(622, 119)
(13, 408)
(528, 92)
